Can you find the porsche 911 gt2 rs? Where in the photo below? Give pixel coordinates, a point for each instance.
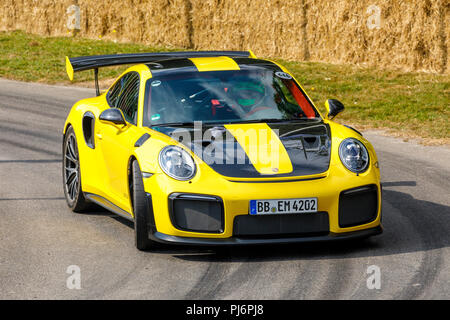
(217, 148)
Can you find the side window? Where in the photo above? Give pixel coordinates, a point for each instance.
(113, 94)
(125, 94)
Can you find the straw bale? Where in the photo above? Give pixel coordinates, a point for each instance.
(413, 35)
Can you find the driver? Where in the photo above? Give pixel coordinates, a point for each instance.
(248, 96)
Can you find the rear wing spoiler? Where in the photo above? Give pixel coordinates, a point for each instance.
(95, 62)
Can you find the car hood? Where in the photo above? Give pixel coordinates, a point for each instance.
(259, 150)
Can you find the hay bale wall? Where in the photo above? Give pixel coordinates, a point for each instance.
(413, 35)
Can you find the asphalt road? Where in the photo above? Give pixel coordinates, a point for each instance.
(40, 237)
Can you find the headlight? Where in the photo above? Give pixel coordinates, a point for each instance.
(354, 155)
(177, 163)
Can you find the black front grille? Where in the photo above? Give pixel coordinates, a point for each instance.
(358, 206)
(281, 224)
(196, 213)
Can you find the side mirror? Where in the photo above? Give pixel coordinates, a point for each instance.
(334, 107)
(113, 115)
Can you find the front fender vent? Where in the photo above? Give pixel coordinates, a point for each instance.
(88, 129)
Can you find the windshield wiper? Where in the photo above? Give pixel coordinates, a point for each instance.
(174, 124)
(303, 119)
(257, 120)
(270, 120)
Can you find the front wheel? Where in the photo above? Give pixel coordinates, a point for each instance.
(140, 210)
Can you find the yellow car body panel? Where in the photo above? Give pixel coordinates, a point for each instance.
(214, 64)
(105, 168)
(269, 156)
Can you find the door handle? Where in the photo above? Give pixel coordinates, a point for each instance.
(99, 136)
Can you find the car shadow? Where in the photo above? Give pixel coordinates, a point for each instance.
(97, 210)
(410, 225)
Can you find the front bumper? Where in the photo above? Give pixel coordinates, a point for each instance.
(236, 241)
(337, 191)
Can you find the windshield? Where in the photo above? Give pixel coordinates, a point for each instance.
(225, 97)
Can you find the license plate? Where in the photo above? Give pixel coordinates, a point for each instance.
(280, 206)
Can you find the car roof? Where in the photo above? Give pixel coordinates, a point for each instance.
(176, 65)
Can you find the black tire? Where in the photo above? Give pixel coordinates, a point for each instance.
(140, 209)
(71, 174)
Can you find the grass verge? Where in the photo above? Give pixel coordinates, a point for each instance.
(410, 105)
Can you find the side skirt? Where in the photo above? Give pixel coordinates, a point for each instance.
(108, 205)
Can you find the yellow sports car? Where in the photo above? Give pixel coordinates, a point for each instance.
(217, 148)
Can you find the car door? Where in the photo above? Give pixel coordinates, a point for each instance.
(117, 141)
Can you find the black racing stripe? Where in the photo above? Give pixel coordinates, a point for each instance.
(236, 170)
(164, 65)
(307, 145)
(241, 168)
(290, 128)
(256, 62)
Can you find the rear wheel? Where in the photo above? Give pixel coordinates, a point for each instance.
(71, 174)
(140, 209)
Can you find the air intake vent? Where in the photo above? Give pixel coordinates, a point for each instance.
(196, 213)
(358, 206)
